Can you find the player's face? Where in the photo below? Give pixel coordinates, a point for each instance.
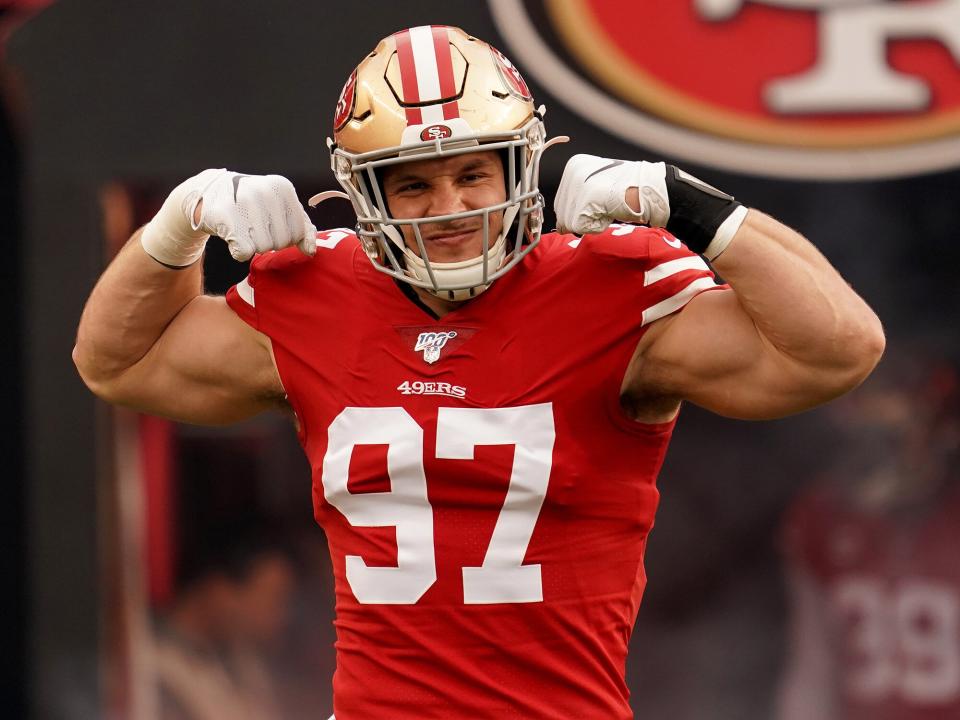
(443, 186)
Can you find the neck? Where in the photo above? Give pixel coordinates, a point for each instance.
(439, 306)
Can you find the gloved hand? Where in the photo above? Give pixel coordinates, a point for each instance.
(252, 213)
(593, 191)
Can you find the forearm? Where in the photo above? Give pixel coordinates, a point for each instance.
(128, 310)
(799, 303)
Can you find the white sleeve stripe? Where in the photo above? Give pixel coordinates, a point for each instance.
(672, 267)
(245, 291)
(675, 302)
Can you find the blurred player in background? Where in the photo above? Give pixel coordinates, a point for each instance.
(485, 409)
(873, 558)
(212, 644)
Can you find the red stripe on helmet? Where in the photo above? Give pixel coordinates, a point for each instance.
(448, 86)
(451, 110)
(441, 46)
(408, 76)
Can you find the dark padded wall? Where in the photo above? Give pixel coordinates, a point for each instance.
(11, 429)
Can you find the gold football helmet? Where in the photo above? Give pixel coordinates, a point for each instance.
(429, 92)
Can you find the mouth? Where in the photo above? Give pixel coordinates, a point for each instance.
(450, 238)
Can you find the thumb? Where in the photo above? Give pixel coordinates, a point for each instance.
(241, 249)
(590, 224)
(308, 245)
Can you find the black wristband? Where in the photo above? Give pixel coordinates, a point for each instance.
(696, 209)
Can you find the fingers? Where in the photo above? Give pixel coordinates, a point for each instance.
(299, 230)
(570, 200)
(256, 214)
(592, 194)
(269, 215)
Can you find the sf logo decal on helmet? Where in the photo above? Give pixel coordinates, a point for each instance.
(849, 89)
(345, 102)
(435, 132)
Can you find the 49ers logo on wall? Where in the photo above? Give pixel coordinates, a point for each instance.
(795, 88)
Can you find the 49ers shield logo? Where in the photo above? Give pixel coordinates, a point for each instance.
(795, 88)
(435, 132)
(346, 102)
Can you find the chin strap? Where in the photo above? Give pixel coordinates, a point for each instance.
(327, 195)
(556, 140)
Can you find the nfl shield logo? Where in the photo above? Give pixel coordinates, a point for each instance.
(431, 343)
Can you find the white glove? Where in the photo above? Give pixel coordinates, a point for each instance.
(592, 194)
(252, 213)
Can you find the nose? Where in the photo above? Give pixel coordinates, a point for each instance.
(445, 199)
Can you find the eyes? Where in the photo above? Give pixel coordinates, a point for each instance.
(409, 188)
(414, 187)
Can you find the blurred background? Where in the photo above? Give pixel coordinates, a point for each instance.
(800, 569)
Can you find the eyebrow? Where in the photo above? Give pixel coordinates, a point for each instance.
(401, 178)
(408, 176)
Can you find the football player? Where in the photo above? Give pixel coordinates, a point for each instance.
(485, 408)
(871, 558)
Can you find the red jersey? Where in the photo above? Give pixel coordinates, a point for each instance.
(485, 500)
(890, 587)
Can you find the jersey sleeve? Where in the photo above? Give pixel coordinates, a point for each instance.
(276, 277)
(242, 297)
(673, 276)
(655, 271)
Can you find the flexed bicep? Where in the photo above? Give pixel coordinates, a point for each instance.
(208, 367)
(714, 355)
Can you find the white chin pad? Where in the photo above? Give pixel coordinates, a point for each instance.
(463, 272)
